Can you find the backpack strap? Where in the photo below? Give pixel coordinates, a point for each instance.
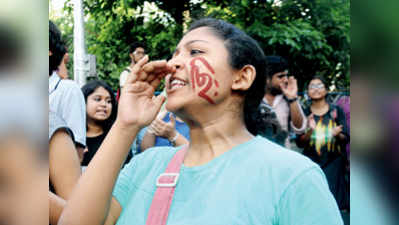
(166, 183)
(56, 86)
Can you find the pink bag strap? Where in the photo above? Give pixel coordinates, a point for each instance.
(166, 183)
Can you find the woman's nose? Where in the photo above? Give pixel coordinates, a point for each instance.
(103, 103)
(176, 63)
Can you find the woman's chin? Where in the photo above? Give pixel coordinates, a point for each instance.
(172, 107)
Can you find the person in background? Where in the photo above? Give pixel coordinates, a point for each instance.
(136, 52)
(282, 97)
(325, 140)
(166, 130)
(271, 128)
(62, 69)
(101, 110)
(65, 97)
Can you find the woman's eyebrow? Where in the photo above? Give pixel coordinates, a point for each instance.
(186, 44)
(192, 41)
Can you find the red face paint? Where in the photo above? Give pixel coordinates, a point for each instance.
(202, 79)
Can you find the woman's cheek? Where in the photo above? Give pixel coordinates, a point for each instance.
(203, 82)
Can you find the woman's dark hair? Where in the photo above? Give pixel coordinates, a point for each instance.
(92, 86)
(276, 64)
(57, 47)
(243, 50)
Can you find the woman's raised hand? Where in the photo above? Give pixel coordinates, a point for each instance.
(311, 122)
(137, 104)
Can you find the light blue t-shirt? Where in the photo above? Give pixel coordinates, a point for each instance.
(257, 182)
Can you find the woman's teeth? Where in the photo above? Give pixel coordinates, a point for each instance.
(175, 84)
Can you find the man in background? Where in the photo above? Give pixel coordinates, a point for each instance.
(282, 97)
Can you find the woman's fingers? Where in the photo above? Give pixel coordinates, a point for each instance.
(136, 70)
(151, 72)
(153, 69)
(153, 66)
(155, 83)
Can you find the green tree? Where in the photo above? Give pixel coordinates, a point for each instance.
(313, 35)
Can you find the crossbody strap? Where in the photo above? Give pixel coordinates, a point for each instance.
(166, 183)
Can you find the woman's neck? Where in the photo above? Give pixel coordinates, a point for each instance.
(93, 129)
(214, 137)
(319, 106)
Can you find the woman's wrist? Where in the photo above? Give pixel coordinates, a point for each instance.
(172, 135)
(173, 138)
(123, 127)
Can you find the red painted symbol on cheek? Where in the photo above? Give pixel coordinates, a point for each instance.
(202, 79)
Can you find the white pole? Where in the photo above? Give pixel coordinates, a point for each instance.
(80, 65)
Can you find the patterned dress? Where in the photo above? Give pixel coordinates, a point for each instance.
(329, 152)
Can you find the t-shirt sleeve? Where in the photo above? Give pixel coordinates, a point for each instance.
(308, 201)
(123, 183)
(74, 113)
(55, 124)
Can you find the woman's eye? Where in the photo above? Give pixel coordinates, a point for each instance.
(195, 52)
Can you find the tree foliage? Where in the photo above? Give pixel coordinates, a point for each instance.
(313, 35)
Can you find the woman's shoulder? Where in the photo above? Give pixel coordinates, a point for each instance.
(275, 166)
(273, 157)
(159, 152)
(147, 165)
(155, 156)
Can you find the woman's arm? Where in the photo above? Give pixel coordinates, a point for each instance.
(301, 140)
(64, 166)
(93, 193)
(305, 138)
(64, 171)
(137, 108)
(148, 140)
(56, 205)
(341, 131)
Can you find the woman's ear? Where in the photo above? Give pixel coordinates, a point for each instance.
(243, 79)
(50, 53)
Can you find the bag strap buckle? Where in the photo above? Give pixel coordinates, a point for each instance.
(167, 179)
